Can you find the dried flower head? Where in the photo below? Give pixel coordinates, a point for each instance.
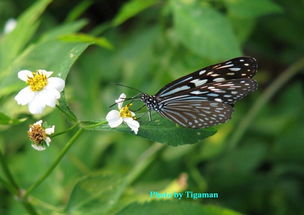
(39, 135)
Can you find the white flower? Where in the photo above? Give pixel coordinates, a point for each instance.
(39, 135)
(115, 118)
(9, 26)
(42, 90)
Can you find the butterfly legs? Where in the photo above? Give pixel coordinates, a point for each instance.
(149, 115)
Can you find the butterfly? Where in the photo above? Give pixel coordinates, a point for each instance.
(205, 97)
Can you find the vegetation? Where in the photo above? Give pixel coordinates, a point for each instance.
(253, 163)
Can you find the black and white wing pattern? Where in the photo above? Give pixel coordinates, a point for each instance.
(206, 97)
(228, 92)
(241, 67)
(196, 113)
(208, 105)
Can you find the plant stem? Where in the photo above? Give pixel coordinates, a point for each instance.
(94, 125)
(65, 131)
(67, 114)
(143, 162)
(262, 100)
(10, 188)
(56, 162)
(13, 187)
(7, 172)
(29, 208)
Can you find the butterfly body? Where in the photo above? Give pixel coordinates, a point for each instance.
(152, 102)
(205, 97)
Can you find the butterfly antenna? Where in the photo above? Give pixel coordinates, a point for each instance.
(127, 99)
(132, 88)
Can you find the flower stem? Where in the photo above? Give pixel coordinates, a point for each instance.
(67, 114)
(262, 100)
(143, 162)
(94, 125)
(65, 131)
(10, 188)
(13, 187)
(56, 162)
(7, 172)
(29, 208)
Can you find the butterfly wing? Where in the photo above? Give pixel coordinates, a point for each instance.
(207, 105)
(205, 98)
(227, 92)
(196, 113)
(241, 67)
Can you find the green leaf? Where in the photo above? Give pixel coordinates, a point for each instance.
(132, 8)
(243, 27)
(64, 107)
(204, 31)
(68, 28)
(53, 55)
(174, 207)
(95, 194)
(251, 9)
(12, 43)
(101, 41)
(164, 131)
(6, 120)
(237, 167)
(289, 146)
(78, 10)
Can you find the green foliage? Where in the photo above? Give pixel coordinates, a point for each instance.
(91, 168)
(163, 131)
(49, 53)
(12, 44)
(6, 120)
(78, 10)
(65, 108)
(130, 9)
(204, 31)
(102, 42)
(95, 194)
(180, 207)
(251, 9)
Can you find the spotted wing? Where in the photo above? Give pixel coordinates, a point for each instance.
(227, 92)
(196, 113)
(241, 67)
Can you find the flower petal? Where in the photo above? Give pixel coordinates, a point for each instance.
(120, 100)
(50, 130)
(49, 96)
(47, 141)
(10, 25)
(44, 72)
(38, 122)
(56, 83)
(24, 74)
(113, 118)
(133, 124)
(25, 96)
(37, 105)
(38, 147)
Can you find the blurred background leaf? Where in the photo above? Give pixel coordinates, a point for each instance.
(204, 31)
(180, 207)
(154, 43)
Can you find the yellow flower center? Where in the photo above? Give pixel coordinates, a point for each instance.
(37, 82)
(36, 134)
(125, 112)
